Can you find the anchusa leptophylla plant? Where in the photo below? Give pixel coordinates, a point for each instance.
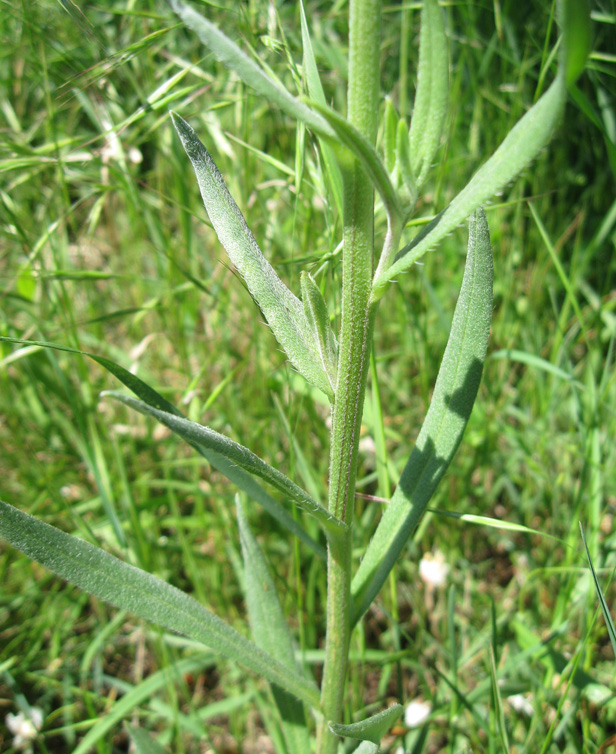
(334, 362)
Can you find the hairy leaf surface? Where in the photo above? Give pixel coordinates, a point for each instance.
(129, 588)
(373, 728)
(271, 632)
(284, 311)
(454, 395)
(233, 473)
(197, 434)
(430, 106)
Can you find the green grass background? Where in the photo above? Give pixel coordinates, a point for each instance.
(105, 246)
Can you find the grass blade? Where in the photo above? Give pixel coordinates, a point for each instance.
(316, 93)
(532, 360)
(432, 93)
(574, 16)
(611, 630)
(283, 311)
(454, 395)
(498, 702)
(196, 434)
(271, 632)
(494, 523)
(234, 474)
(373, 728)
(129, 588)
(139, 694)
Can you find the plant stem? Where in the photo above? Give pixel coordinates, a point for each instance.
(354, 355)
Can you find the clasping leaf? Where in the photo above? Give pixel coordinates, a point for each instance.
(129, 588)
(454, 395)
(521, 145)
(231, 470)
(238, 455)
(282, 310)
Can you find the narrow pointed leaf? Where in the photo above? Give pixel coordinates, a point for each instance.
(498, 702)
(251, 74)
(430, 106)
(316, 93)
(372, 728)
(519, 148)
(234, 474)
(317, 315)
(129, 588)
(283, 311)
(611, 630)
(271, 632)
(238, 455)
(367, 155)
(454, 394)
(521, 145)
(230, 55)
(390, 135)
(403, 158)
(143, 742)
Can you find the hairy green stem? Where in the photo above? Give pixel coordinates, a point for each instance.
(354, 354)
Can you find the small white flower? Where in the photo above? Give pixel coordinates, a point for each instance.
(433, 569)
(521, 704)
(135, 156)
(24, 728)
(416, 713)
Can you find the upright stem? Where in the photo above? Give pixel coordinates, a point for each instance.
(354, 354)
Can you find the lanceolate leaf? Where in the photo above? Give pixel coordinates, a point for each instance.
(372, 728)
(452, 402)
(271, 632)
(283, 311)
(432, 91)
(317, 315)
(233, 473)
(521, 145)
(232, 57)
(198, 435)
(249, 72)
(389, 135)
(144, 595)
